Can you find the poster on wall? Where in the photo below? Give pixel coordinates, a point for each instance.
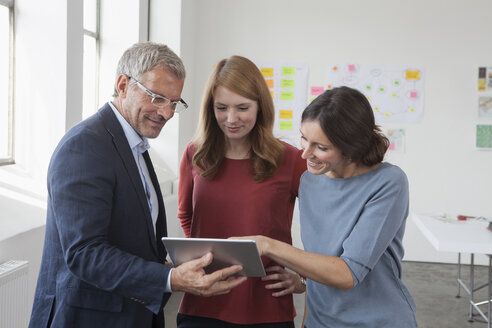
(288, 84)
(485, 106)
(483, 137)
(484, 79)
(396, 93)
(396, 138)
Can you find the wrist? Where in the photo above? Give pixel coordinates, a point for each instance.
(268, 245)
(303, 280)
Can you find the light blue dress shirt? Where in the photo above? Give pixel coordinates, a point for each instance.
(138, 146)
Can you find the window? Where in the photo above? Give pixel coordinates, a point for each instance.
(91, 58)
(6, 81)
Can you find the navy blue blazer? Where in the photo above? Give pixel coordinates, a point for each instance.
(102, 264)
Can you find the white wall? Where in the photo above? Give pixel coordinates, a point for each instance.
(449, 38)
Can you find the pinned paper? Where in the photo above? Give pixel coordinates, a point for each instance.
(391, 89)
(287, 95)
(396, 138)
(269, 83)
(286, 114)
(287, 83)
(288, 71)
(267, 72)
(316, 91)
(484, 137)
(412, 75)
(285, 125)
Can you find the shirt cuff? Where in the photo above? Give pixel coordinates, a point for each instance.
(168, 285)
(357, 270)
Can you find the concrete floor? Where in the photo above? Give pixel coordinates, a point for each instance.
(433, 287)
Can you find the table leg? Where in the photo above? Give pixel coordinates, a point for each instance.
(472, 287)
(490, 282)
(459, 275)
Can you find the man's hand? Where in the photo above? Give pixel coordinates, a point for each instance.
(190, 277)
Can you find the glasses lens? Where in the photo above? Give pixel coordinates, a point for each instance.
(160, 102)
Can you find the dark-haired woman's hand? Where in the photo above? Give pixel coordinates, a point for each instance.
(285, 282)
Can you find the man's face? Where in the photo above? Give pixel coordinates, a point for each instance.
(136, 105)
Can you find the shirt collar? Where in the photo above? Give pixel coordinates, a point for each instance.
(131, 135)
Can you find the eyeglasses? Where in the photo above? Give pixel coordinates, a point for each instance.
(159, 101)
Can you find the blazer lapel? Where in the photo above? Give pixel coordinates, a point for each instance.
(160, 226)
(121, 145)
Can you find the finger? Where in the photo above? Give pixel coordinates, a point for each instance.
(274, 276)
(274, 268)
(224, 286)
(282, 293)
(199, 263)
(241, 238)
(223, 273)
(277, 285)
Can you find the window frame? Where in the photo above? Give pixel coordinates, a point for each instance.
(97, 37)
(10, 4)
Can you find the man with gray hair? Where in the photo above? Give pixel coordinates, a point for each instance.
(103, 259)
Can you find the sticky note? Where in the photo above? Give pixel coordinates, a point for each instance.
(312, 98)
(481, 85)
(287, 95)
(316, 91)
(381, 89)
(269, 83)
(412, 75)
(391, 146)
(413, 94)
(271, 94)
(286, 114)
(287, 83)
(285, 125)
(396, 82)
(267, 72)
(368, 88)
(288, 71)
(335, 68)
(351, 68)
(329, 86)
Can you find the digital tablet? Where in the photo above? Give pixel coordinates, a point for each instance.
(226, 252)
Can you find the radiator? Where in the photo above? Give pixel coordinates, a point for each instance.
(14, 307)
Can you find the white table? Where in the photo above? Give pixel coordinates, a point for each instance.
(461, 237)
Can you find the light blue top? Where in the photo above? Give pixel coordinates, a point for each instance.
(362, 220)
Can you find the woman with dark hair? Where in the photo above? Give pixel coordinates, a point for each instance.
(237, 179)
(353, 209)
